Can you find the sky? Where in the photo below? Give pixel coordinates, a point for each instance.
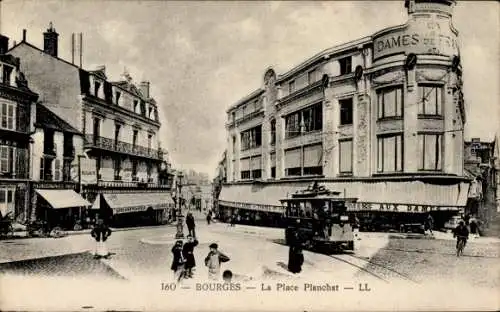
(202, 57)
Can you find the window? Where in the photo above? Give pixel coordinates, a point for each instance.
(245, 175)
(390, 153)
(345, 65)
(313, 159)
(6, 159)
(116, 168)
(136, 106)
(98, 162)
(150, 114)
(149, 169)
(143, 108)
(66, 170)
(430, 146)
(42, 166)
(234, 144)
(345, 111)
(251, 138)
(97, 129)
(390, 102)
(312, 76)
(134, 137)
(430, 99)
(345, 156)
(293, 165)
(117, 97)
(273, 164)
(8, 116)
(291, 87)
(150, 138)
(273, 172)
(7, 72)
(97, 85)
(256, 167)
(57, 170)
(134, 170)
(256, 174)
(311, 117)
(46, 169)
(117, 133)
(273, 131)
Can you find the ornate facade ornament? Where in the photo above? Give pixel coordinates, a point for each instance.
(388, 78)
(430, 76)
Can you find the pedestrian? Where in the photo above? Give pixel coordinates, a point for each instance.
(295, 255)
(178, 261)
(473, 227)
(233, 220)
(190, 224)
(100, 233)
(214, 260)
(429, 223)
(209, 217)
(188, 254)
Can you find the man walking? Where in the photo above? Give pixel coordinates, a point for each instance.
(213, 261)
(190, 224)
(209, 217)
(188, 254)
(100, 233)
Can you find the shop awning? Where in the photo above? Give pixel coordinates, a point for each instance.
(59, 199)
(135, 202)
(412, 193)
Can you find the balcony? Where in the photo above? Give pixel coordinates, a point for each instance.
(130, 185)
(103, 143)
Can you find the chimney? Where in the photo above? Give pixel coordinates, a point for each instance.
(4, 44)
(50, 41)
(24, 35)
(144, 87)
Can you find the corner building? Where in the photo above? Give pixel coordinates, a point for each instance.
(117, 156)
(380, 118)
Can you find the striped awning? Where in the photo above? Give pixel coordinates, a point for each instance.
(59, 199)
(135, 202)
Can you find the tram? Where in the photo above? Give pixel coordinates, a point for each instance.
(317, 219)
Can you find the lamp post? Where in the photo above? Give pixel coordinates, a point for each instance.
(180, 224)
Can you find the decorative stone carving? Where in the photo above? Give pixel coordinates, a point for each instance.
(388, 78)
(430, 75)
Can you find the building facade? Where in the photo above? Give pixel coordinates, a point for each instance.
(118, 121)
(16, 100)
(380, 118)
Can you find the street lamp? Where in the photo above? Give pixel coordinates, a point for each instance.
(180, 224)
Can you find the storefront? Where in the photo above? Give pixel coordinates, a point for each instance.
(389, 200)
(61, 208)
(131, 209)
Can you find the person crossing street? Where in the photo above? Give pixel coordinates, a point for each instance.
(190, 224)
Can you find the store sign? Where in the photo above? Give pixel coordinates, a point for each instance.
(420, 37)
(88, 171)
(391, 207)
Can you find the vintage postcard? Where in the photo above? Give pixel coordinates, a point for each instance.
(249, 155)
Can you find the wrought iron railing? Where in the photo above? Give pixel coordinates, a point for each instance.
(122, 147)
(133, 184)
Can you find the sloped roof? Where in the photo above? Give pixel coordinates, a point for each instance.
(46, 119)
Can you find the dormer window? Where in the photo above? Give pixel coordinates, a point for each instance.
(97, 85)
(291, 87)
(345, 65)
(117, 97)
(136, 103)
(7, 72)
(150, 114)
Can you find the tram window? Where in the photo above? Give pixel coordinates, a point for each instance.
(308, 209)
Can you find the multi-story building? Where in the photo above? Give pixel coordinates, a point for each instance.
(53, 186)
(120, 150)
(219, 180)
(380, 118)
(15, 111)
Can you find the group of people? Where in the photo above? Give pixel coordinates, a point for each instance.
(184, 261)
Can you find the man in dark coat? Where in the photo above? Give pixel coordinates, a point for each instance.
(101, 233)
(187, 252)
(190, 224)
(295, 255)
(209, 217)
(178, 261)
